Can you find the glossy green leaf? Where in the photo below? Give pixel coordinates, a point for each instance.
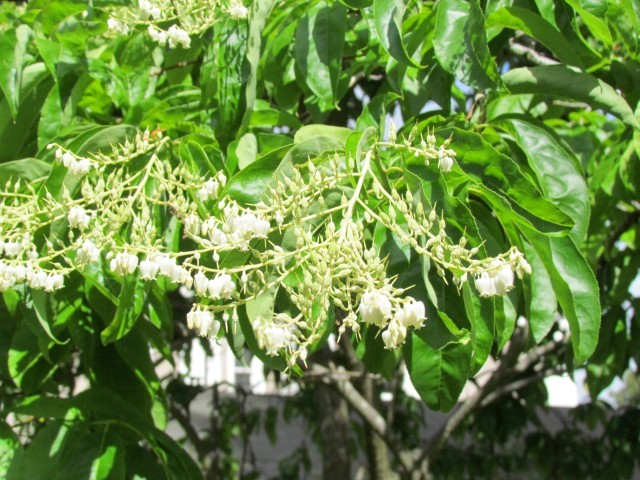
(27, 169)
(387, 16)
(597, 26)
(561, 81)
(376, 358)
(9, 447)
(438, 372)
(230, 79)
(38, 315)
(261, 306)
(17, 135)
(460, 43)
(130, 305)
(497, 178)
(542, 303)
(481, 316)
(249, 184)
(27, 365)
(259, 12)
(575, 287)
(524, 20)
(557, 170)
(319, 46)
(13, 45)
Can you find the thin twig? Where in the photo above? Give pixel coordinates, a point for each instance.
(530, 54)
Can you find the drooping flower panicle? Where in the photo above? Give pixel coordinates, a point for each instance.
(306, 238)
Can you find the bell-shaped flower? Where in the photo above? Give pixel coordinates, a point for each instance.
(375, 307)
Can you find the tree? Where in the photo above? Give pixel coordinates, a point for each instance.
(432, 184)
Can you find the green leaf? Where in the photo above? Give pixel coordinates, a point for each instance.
(541, 302)
(30, 169)
(246, 150)
(557, 169)
(130, 305)
(375, 357)
(561, 81)
(597, 27)
(524, 20)
(259, 12)
(13, 45)
(497, 177)
(248, 185)
(387, 16)
(9, 446)
(38, 315)
(261, 306)
(481, 316)
(438, 372)
(228, 47)
(18, 136)
(28, 366)
(460, 43)
(576, 288)
(310, 132)
(319, 44)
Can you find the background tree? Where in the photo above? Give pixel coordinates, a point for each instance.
(515, 127)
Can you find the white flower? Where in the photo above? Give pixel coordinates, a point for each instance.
(5, 284)
(180, 275)
(273, 338)
(200, 282)
(124, 263)
(261, 228)
(503, 279)
(67, 159)
(484, 284)
(78, 218)
(218, 237)
(228, 287)
(149, 269)
(237, 10)
(81, 167)
(203, 321)
(394, 336)
(36, 279)
(445, 164)
(375, 307)
(167, 265)
(12, 249)
(157, 35)
(412, 314)
(221, 286)
(178, 36)
(87, 253)
(54, 281)
(116, 26)
(497, 281)
(209, 190)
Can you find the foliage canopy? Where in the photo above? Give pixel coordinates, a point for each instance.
(422, 179)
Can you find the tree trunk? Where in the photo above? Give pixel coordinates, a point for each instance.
(334, 428)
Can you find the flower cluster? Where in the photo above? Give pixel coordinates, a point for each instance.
(307, 239)
(187, 17)
(78, 166)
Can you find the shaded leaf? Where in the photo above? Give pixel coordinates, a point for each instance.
(561, 81)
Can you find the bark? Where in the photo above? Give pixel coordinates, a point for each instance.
(334, 429)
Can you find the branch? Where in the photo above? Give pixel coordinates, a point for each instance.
(367, 411)
(530, 54)
(504, 368)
